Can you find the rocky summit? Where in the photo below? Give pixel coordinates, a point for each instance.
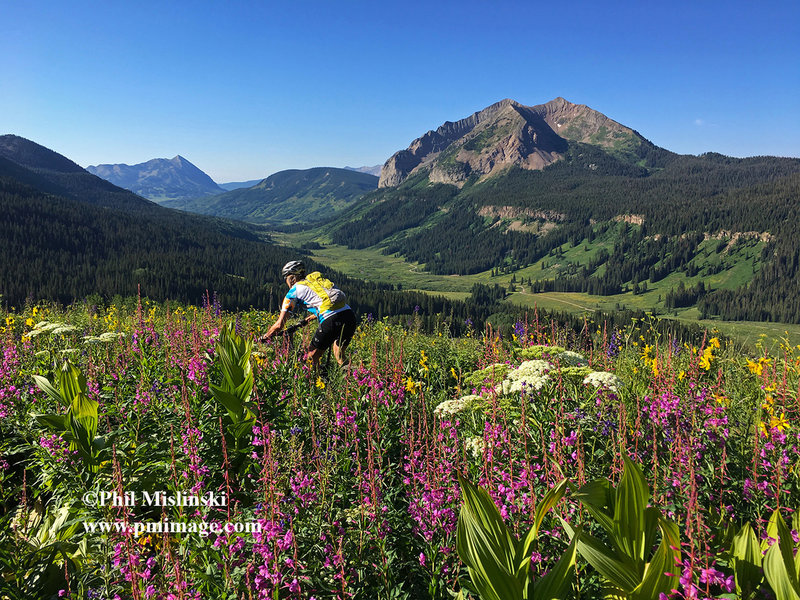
(506, 134)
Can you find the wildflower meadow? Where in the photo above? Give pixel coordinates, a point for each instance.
(154, 451)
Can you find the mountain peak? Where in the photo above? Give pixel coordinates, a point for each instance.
(160, 179)
(502, 135)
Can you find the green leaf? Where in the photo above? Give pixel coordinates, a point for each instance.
(480, 507)
(618, 570)
(665, 560)
(632, 495)
(550, 499)
(58, 423)
(486, 545)
(71, 381)
(481, 557)
(779, 565)
(747, 558)
(777, 575)
(83, 426)
(598, 498)
(229, 402)
(48, 388)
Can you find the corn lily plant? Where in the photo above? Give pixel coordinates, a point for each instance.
(236, 387)
(498, 562)
(631, 525)
(78, 426)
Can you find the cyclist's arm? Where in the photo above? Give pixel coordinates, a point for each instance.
(278, 325)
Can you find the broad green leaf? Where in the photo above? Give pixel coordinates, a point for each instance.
(618, 570)
(632, 495)
(479, 552)
(652, 516)
(796, 527)
(59, 423)
(778, 563)
(747, 558)
(598, 498)
(83, 426)
(665, 560)
(48, 388)
(479, 506)
(786, 545)
(777, 575)
(71, 381)
(550, 499)
(230, 402)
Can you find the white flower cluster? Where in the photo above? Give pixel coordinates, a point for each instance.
(476, 445)
(453, 407)
(531, 374)
(103, 338)
(572, 359)
(603, 379)
(52, 328)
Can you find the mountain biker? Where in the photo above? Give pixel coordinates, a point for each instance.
(325, 302)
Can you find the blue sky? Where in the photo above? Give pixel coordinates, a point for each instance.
(245, 89)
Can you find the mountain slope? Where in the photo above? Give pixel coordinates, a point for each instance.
(508, 134)
(287, 197)
(159, 179)
(50, 172)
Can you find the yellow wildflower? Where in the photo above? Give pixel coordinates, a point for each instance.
(29, 322)
(411, 386)
(705, 360)
(714, 342)
(681, 375)
(320, 384)
(423, 362)
(779, 423)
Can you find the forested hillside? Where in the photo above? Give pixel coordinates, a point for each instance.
(658, 217)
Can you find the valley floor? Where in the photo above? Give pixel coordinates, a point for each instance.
(371, 265)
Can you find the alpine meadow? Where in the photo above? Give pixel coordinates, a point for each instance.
(556, 389)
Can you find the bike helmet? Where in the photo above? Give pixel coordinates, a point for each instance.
(293, 267)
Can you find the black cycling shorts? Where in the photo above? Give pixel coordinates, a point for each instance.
(339, 328)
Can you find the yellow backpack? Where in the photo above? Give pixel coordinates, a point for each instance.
(332, 297)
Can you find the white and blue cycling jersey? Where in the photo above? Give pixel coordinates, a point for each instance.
(302, 297)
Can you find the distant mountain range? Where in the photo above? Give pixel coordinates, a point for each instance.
(510, 189)
(159, 179)
(287, 197)
(68, 234)
(71, 236)
(235, 185)
(376, 170)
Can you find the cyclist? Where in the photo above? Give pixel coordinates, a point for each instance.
(325, 302)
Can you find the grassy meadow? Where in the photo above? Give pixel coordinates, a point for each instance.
(352, 482)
